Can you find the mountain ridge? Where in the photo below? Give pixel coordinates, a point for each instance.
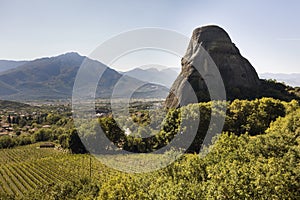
(164, 77)
(292, 79)
(53, 78)
(39, 79)
(6, 65)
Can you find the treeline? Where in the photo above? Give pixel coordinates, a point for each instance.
(241, 117)
(152, 131)
(20, 121)
(42, 127)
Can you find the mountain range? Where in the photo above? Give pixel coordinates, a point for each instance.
(53, 78)
(289, 79)
(164, 77)
(167, 76)
(10, 64)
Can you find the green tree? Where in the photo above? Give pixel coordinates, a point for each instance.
(64, 140)
(6, 142)
(75, 144)
(41, 135)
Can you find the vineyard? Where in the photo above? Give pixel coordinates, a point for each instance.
(25, 168)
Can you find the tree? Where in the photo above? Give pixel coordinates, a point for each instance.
(75, 144)
(64, 140)
(41, 135)
(6, 142)
(8, 119)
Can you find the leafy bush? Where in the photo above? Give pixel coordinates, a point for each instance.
(42, 135)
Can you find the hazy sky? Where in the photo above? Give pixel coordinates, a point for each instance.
(266, 32)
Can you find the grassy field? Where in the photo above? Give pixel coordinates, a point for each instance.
(25, 168)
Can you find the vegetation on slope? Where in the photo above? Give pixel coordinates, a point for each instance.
(237, 167)
(256, 158)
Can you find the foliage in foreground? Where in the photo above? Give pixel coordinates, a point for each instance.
(237, 167)
(258, 157)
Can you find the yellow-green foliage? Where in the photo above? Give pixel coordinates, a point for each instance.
(238, 166)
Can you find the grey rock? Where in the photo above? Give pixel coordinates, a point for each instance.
(211, 46)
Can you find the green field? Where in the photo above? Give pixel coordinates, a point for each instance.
(23, 169)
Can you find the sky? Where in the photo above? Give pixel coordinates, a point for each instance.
(266, 32)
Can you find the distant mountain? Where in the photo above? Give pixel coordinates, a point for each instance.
(53, 78)
(10, 64)
(289, 79)
(164, 77)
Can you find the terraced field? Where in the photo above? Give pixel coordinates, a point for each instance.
(23, 169)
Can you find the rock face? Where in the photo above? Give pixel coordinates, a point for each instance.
(239, 77)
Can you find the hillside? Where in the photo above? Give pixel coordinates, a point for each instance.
(53, 78)
(12, 105)
(10, 64)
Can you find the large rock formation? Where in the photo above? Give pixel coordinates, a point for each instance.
(239, 77)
